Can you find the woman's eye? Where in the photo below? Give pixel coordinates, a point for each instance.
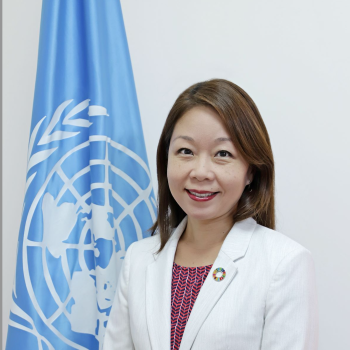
(184, 151)
(222, 153)
(225, 154)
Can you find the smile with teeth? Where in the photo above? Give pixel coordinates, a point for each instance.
(202, 195)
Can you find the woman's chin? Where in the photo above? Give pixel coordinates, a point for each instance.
(200, 215)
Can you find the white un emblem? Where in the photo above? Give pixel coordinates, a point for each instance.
(75, 231)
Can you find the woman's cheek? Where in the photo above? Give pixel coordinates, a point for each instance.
(172, 176)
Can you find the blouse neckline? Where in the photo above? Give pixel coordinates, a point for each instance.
(191, 267)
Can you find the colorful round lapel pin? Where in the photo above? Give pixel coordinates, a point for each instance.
(219, 274)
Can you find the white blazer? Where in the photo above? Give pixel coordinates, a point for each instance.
(266, 301)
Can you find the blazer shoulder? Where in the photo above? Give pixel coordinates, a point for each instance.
(146, 245)
(140, 254)
(276, 243)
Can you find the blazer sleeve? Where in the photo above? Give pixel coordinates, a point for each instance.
(291, 314)
(118, 333)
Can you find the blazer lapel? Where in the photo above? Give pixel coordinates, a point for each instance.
(159, 277)
(234, 247)
(158, 292)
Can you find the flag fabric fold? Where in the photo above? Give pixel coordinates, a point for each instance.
(88, 192)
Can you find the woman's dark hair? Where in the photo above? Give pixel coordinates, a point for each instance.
(243, 122)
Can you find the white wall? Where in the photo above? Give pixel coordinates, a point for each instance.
(291, 57)
(21, 24)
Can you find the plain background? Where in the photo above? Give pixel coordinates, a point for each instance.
(291, 57)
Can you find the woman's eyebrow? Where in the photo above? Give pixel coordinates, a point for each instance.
(190, 139)
(223, 139)
(187, 138)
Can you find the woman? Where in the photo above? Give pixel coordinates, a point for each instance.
(215, 275)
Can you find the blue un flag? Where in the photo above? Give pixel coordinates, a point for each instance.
(88, 186)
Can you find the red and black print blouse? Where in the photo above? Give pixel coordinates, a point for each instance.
(186, 284)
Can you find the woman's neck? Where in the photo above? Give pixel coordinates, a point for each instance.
(206, 234)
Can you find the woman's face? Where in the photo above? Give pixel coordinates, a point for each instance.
(202, 159)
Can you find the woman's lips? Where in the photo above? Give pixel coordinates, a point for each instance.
(201, 199)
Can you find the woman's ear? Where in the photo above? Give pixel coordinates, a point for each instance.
(250, 175)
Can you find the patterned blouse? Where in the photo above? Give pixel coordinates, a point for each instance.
(186, 284)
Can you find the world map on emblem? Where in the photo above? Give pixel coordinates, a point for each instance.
(86, 212)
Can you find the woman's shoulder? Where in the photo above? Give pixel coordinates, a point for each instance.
(146, 245)
(141, 253)
(276, 244)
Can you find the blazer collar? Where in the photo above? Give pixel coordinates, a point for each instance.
(159, 278)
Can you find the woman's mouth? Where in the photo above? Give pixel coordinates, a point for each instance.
(201, 196)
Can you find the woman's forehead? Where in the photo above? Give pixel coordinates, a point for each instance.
(218, 140)
(198, 122)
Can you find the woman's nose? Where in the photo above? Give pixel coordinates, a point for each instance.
(202, 169)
